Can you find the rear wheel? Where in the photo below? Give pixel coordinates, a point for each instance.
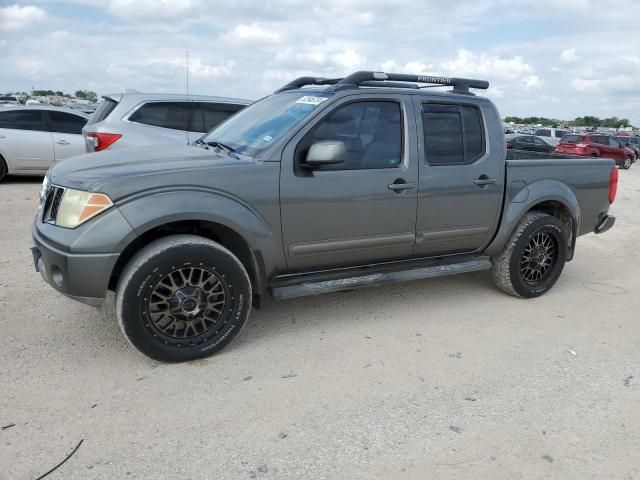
(626, 164)
(533, 259)
(3, 169)
(182, 297)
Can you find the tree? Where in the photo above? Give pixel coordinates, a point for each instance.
(87, 95)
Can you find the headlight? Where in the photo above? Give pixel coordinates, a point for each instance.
(76, 207)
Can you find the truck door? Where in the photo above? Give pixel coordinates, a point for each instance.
(461, 177)
(363, 209)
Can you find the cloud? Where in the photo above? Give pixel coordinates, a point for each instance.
(15, 17)
(246, 49)
(254, 32)
(569, 55)
(468, 63)
(531, 82)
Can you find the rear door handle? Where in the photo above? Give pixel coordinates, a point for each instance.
(401, 185)
(62, 142)
(484, 180)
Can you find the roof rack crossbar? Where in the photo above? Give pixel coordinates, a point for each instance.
(359, 78)
(302, 81)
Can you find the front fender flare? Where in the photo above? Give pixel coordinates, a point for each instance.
(152, 210)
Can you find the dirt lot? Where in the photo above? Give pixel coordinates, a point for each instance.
(446, 378)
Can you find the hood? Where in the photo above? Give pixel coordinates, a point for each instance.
(120, 172)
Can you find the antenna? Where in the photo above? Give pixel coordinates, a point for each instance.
(187, 87)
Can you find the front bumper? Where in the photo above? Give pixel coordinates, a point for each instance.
(83, 277)
(605, 224)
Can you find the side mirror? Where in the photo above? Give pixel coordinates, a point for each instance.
(326, 152)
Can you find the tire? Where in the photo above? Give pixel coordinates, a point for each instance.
(182, 297)
(513, 274)
(3, 169)
(626, 163)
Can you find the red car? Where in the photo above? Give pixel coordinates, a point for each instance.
(596, 145)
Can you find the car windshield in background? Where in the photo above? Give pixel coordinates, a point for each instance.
(572, 138)
(257, 127)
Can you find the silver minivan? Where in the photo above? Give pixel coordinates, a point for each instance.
(136, 119)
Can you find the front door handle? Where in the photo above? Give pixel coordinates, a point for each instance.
(400, 185)
(483, 180)
(62, 142)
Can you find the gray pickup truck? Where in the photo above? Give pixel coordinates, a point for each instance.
(327, 184)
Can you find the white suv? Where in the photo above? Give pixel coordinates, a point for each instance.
(552, 135)
(136, 119)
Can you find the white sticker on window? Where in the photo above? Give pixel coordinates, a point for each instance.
(310, 100)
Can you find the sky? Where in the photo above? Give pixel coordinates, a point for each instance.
(552, 58)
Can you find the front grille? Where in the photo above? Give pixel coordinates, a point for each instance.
(53, 197)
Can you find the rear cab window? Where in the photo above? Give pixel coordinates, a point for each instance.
(453, 134)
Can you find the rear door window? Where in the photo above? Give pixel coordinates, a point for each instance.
(62, 122)
(173, 115)
(525, 140)
(23, 120)
(542, 132)
(205, 115)
(453, 134)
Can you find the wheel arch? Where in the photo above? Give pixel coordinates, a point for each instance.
(211, 214)
(218, 232)
(552, 197)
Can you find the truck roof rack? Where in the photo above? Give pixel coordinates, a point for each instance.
(302, 81)
(380, 79)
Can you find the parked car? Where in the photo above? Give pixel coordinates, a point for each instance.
(632, 143)
(596, 145)
(528, 142)
(32, 138)
(8, 100)
(135, 119)
(316, 188)
(552, 135)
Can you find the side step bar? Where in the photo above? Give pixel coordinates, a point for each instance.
(305, 288)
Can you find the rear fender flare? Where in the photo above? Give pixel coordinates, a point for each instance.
(537, 193)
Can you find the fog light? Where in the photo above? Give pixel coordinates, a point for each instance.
(56, 276)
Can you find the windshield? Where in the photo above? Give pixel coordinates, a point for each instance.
(261, 124)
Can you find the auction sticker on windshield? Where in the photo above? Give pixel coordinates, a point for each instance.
(311, 100)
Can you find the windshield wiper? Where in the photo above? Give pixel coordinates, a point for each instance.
(221, 146)
(202, 143)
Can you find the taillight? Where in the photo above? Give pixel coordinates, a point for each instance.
(102, 140)
(613, 184)
(509, 145)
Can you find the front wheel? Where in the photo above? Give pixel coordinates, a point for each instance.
(182, 297)
(626, 164)
(533, 259)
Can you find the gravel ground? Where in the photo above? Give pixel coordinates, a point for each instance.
(444, 378)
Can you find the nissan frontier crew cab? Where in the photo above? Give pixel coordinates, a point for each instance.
(327, 184)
